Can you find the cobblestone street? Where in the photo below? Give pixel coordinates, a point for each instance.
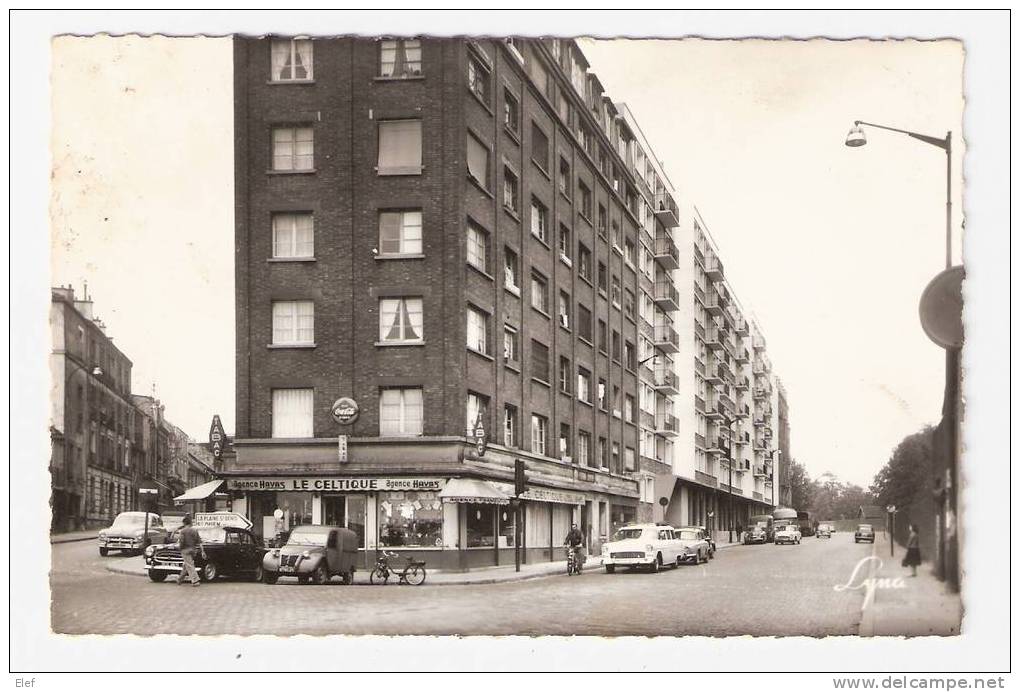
(756, 590)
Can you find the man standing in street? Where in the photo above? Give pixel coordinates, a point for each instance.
(189, 542)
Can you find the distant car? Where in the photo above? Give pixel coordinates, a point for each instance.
(128, 533)
(707, 535)
(696, 549)
(788, 534)
(865, 532)
(229, 551)
(823, 531)
(313, 552)
(756, 534)
(643, 545)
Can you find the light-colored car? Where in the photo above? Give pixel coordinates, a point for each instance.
(650, 546)
(823, 531)
(864, 532)
(128, 533)
(788, 534)
(696, 548)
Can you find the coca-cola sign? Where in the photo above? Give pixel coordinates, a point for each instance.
(345, 410)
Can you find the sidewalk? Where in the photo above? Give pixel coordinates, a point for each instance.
(86, 535)
(908, 606)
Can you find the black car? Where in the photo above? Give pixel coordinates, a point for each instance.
(229, 551)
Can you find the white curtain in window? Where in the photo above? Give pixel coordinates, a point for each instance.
(293, 149)
(536, 525)
(292, 413)
(562, 515)
(475, 406)
(400, 146)
(400, 412)
(477, 336)
(291, 59)
(476, 247)
(293, 322)
(400, 232)
(478, 161)
(293, 235)
(400, 319)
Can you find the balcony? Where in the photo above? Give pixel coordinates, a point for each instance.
(725, 399)
(699, 330)
(758, 342)
(666, 424)
(715, 304)
(699, 440)
(666, 381)
(713, 339)
(742, 355)
(759, 368)
(666, 296)
(741, 327)
(759, 421)
(699, 366)
(699, 254)
(715, 411)
(699, 404)
(712, 374)
(741, 437)
(714, 269)
(666, 210)
(699, 294)
(742, 383)
(760, 393)
(761, 444)
(647, 419)
(665, 338)
(719, 446)
(666, 253)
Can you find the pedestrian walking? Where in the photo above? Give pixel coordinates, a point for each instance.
(740, 532)
(190, 542)
(913, 556)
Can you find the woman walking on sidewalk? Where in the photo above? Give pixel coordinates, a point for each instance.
(913, 557)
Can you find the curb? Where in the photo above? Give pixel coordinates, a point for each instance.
(867, 625)
(57, 541)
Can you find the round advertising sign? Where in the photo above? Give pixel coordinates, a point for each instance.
(345, 410)
(942, 308)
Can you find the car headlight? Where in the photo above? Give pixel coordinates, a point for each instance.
(605, 550)
(306, 554)
(649, 548)
(150, 551)
(276, 552)
(102, 534)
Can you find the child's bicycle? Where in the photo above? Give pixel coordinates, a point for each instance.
(413, 572)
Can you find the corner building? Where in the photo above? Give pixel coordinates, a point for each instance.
(449, 232)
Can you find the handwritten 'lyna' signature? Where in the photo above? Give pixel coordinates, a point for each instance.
(859, 580)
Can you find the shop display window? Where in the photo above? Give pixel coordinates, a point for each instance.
(480, 526)
(621, 516)
(505, 526)
(411, 520)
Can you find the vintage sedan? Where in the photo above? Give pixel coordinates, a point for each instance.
(789, 533)
(643, 545)
(315, 553)
(864, 533)
(229, 551)
(759, 533)
(694, 547)
(823, 531)
(128, 533)
(707, 535)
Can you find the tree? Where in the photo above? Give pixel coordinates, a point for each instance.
(801, 486)
(907, 470)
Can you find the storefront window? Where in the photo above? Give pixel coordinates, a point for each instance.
(505, 531)
(623, 515)
(410, 520)
(480, 525)
(347, 511)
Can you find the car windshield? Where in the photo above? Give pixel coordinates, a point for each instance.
(864, 527)
(688, 536)
(130, 520)
(309, 536)
(212, 534)
(627, 534)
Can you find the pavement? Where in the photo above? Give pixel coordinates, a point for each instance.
(74, 536)
(908, 606)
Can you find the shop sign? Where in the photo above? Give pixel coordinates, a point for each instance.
(345, 410)
(481, 441)
(342, 448)
(222, 519)
(543, 495)
(330, 485)
(217, 438)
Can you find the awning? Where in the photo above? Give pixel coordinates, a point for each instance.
(473, 491)
(199, 492)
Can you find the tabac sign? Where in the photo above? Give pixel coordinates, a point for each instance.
(217, 438)
(366, 484)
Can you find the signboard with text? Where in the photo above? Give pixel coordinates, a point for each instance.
(222, 519)
(217, 438)
(329, 485)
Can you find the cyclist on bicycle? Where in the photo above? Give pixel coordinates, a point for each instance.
(575, 542)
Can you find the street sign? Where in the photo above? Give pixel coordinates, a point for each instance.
(341, 441)
(941, 308)
(345, 410)
(222, 519)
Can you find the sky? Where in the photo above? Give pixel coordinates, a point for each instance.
(828, 247)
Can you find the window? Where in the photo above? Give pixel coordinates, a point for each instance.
(291, 59)
(400, 412)
(539, 75)
(616, 346)
(477, 247)
(509, 425)
(511, 112)
(511, 345)
(511, 275)
(628, 408)
(511, 189)
(399, 147)
(565, 374)
(603, 401)
(293, 322)
(583, 262)
(628, 250)
(603, 278)
(400, 232)
(477, 330)
(600, 223)
(400, 320)
(477, 407)
(600, 454)
(564, 310)
(564, 440)
(603, 336)
(615, 293)
(539, 220)
(615, 236)
(400, 58)
(478, 161)
(478, 78)
(614, 460)
(564, 177)
(584, 323)
(293, 235)
(628, 459)
(539, 361)
(293, 149)
(617, 410)
(583, 451)
(539, 292)
(292, 413)
(539, 147)
(583, 385)
(585, 199)
(539, 426)
(564, 244)
(563, 106)
(628, 303)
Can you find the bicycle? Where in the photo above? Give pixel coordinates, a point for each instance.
(413, 573)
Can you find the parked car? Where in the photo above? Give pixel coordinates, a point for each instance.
(696, 549)
(229, 551)
(128, 534)
(313, 552)
(790, 533)
(823, 531)
(707, 535)
(865, 532)
(759, 533)
(642, 545)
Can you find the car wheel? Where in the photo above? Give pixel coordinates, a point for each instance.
(209, 572)
(269, 577)
(679, 560)
(260, 573)
(321, 574)
(654, 567)
(610, 569)
(347, 577)
(157, 576)
(103, 552)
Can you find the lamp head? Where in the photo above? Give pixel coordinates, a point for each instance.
(856, 138)
(97, 371)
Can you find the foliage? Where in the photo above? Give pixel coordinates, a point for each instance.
(906, 471)
(801, 486)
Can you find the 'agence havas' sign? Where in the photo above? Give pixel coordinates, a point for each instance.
(328, 485)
